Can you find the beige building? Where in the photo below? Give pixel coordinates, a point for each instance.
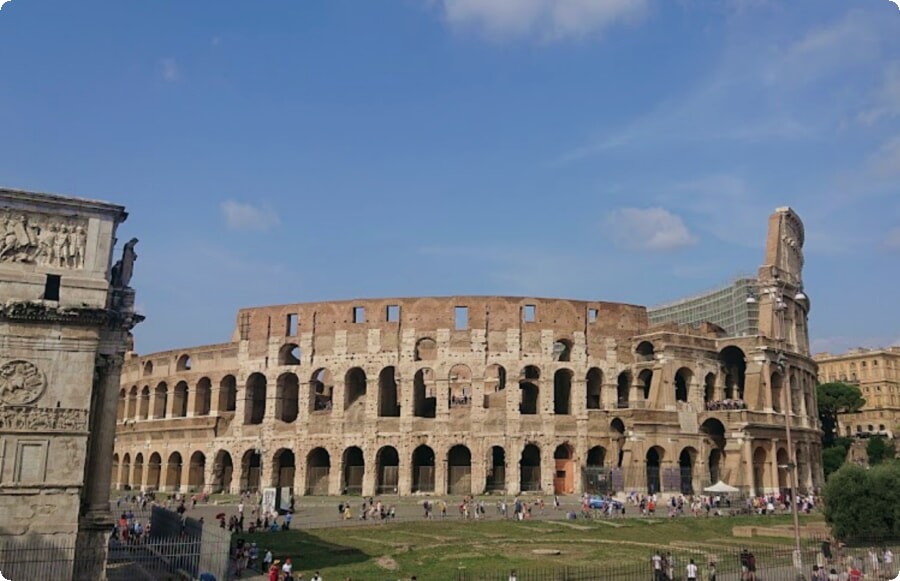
(457, 395)
(64, 321)
(877, 374)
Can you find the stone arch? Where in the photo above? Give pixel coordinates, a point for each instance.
(683, 379)
(184, 363)
(459, 470)
(144, 411)
(121, 413)
(529, 392)
(138, 478)
(228, 394)
(284, 467)
(424, 394)
(355, 388)
(623, 389)
(148, 368)
(387, 470)
(760, 470)
(223, 472)
(154, 471)
(423, 469)
(596, 456)
(426, 349)
(495, 387)
(287, 397)
(783, 460)
(617, 427)
(776, 385)
(644, 351)
(460, 384)
(125, 480)
(354, 465)
(496, 474)
(733, 363)
(715, 462)
(180, 397)
(318, 469)
(114, 476)
(714, 430)
(173, 472)
(204, 397)
(594, 388)
(251, 470)
(530, 469)
(686, 462)
(654, 461)
(596, 477)
(255, 399)
(645, 378)
(321, 387)
(564, 476)
(562, 350)
(160, 399)
(289, 354)
(709, 388)
(197, 472)
(562, 392)
(388, 394)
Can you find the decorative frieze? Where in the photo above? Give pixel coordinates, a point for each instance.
(42, 240)
(35, 419)
(21, 382)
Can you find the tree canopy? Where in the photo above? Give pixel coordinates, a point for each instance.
(864, 503)
(836, 398)
(879, 449)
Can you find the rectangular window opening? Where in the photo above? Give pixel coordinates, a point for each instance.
(530, 311)
(461, 317)
(51, 287)
(359, 314)
(393, 313)
(592, 315)
(293, 321)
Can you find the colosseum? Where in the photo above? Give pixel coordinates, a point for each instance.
(469, 394)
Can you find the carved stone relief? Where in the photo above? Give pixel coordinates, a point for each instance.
(21, 382)
(42, 240)
(32, 419)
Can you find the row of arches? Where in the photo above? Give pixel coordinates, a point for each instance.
(155, 403)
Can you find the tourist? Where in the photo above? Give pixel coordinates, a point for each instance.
(288, 570)
(711, 572)
(267, 560)
(691, 570)
(656, 562)
(273, 571)
(512, 576)
(316, 577)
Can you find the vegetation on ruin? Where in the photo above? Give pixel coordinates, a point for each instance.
(833, 399)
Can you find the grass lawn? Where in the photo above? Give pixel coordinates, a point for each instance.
(436, 550)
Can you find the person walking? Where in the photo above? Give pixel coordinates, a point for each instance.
(691, 571)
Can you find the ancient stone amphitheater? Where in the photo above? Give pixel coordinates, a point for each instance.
(457, 395)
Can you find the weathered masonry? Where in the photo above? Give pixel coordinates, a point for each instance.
(459, 395)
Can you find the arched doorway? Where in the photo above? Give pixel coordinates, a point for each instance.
(321, 387)
(160, 400)
(355, 389)
(654, 461)
(423, 469)
(204, 397)
(387, 462)
(424, 394)
(529, 392)
(180, 403)
(251, 470)
(459, 383)
(645, 378)
(495, 387)
(776, 382)
(354, 470)
(173, 472)
(125, 480)
(228, 394)
(496, 476)
(562, 392)
(459, 470)
(596, 476)
(623, 387)
(388, 398)
(530, 469)
(564, 476)
(138, 479)
(760, 470)
(686, 461)
(154, 471)
(733, 363)
(594, 387)
(144, 411)
(284, 466)
(318, 467)
(287, 397)
(197, 472)
(784, 480)
(223, 472)
(255, 402)
(709, 388)
(114, 477)
(617, 433)
(683, 379)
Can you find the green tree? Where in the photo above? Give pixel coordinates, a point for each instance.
(832, 459)
(879, 450)
(836, 398)
(864, 503)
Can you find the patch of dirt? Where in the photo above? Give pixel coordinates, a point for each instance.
(386, 562)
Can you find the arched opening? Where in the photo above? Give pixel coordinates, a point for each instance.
(795, 395)
(784, 461)
(144, 411)
(617, 427)
(114, 476)
(424, 394)
(803, 475)
(654, 460)
(197, 472)
(645, 378)
(120, 406)
(138, 478)
(596, 476)
(223, 472)
(204, 397)
(355, 388)
(255, 402)
(354, 470)
(496, 476)
(733, 363)
(709, 388)
(184, 363)
(564, 476)
(529, 392)
(459, 470)
(760, 470)
(460, 383)
(645, 351)
(131, 407)
(321, 386)
(683, 379)
(160, 398)
(125, 480)
(180, 395)
(289, 354)
(562, 392)
(154, 471)
(148, 369)
(495, 387)
(228, 394)
(251, 473)
(173, 472)
(686, 461)
(530, 469)
(387, 462)
(594, 386)
(776, 382)
(423, 469)
(284, 466)
(714, 431)
(596, 456)
(716, 460)
(388, 397)
(623, 387)
(426, 349)
(318, 467)
(562, 350)
(287, 397)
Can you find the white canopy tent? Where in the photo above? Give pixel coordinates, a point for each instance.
(721, 488)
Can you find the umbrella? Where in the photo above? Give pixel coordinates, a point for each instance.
(220, 515)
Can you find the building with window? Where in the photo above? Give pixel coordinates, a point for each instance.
(726, 307)
(877, 374)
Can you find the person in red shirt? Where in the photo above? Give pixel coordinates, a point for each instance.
(855, 574)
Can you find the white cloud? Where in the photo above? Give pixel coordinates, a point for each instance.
(886, 161)
(651, 229)
(549, 20)
(241, 216)
(892, 240)
(2, 2)
(886, 101)
(168, 69)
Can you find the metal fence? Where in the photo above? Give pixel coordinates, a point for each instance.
(38, 557)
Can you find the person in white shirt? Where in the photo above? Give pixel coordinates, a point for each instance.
(512, 576)
(316, 577)
(692, 571)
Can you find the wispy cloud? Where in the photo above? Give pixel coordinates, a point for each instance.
(243, 216)
(886, 161)
(892, 240)
(885, 101)
(168, 70)
(649, 229)
(544, 20)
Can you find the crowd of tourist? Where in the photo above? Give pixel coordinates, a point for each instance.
(726, 404)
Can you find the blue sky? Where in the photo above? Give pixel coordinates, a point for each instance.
(624, 150)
